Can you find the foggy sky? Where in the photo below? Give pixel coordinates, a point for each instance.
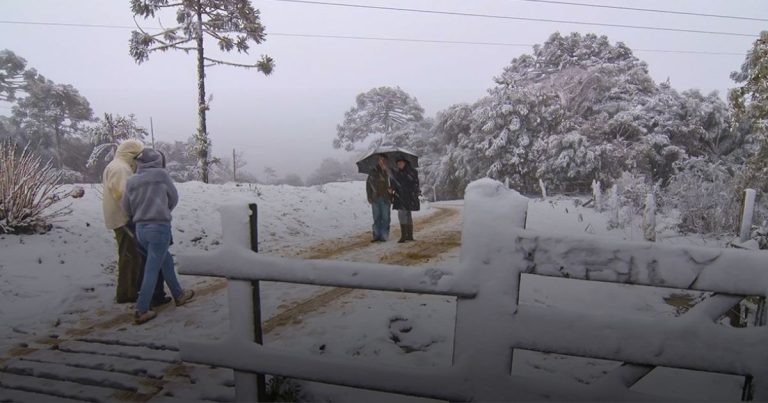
(287, 120)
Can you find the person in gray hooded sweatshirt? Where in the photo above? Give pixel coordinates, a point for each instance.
(149, 197)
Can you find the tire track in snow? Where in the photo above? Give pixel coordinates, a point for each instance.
(431, 242)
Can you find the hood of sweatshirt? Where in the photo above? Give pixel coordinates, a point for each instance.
(149, 158)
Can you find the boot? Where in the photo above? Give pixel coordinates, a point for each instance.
(185, 297)
(403, 233)
(409, 230)
(140, 318)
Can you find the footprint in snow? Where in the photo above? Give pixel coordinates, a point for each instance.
(401, 333)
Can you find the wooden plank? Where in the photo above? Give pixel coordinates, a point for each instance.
(13, 395)
(131, 366)
(130, 343)
(54, 388)
(61, 372)
(166, 399)
(643, 341)
(140, 353)
(197, 392)
(437, 383)
(712, 308)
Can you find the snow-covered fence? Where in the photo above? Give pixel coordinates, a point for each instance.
(490, 323)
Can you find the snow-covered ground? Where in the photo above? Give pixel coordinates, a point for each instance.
(49, 281)
(63, 282)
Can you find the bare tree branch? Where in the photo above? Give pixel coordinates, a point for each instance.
(221, 62)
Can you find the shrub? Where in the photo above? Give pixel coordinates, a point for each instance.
(29, 192)
(706, 196)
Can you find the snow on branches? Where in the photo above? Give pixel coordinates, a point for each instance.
(384, 111)
(29, 190)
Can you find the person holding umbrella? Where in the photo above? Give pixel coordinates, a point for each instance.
(406, 197)
(379, 193)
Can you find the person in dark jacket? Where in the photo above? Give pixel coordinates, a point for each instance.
(406, 200)
(149, 197)
(379, 192)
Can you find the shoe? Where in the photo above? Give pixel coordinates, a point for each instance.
(139, 318)
(409, 232)
(374, 240)
(160, 301)
(185, 297)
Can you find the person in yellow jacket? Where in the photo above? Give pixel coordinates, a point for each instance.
(130, 259)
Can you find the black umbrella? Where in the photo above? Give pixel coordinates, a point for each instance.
(369, 162)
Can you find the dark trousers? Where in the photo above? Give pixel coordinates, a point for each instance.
(130, 268)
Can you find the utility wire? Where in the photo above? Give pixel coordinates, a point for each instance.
(649, 10)
(373, 38)
(509, 17)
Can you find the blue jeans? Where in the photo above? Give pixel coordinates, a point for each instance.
(155, 239)
(381, 207)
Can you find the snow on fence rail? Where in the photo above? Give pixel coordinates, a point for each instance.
(490, 324)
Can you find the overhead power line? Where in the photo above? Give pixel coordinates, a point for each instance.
(509, 17)
(649, 10)
(373, 38)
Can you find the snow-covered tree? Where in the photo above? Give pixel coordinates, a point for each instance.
(233, 24)
(14, 75)
(387, 112)
(750, 104)
(750, 101)
(50, 112)
(270, 174)
(108, 132)
(11, 132)
(181, 162)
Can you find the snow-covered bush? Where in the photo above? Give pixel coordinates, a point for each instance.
(70, 176)
(633, 189)
(29, 191)
(705, 194)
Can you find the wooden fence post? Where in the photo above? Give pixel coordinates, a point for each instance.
(597, 194)
(261, 384)
(649, 218)
(748, 211)
(477, 346)
(613, 221)
(243, 299)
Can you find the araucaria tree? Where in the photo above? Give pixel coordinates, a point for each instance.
(389, 112)
(233, 24)
(14, 75)
(51, 112)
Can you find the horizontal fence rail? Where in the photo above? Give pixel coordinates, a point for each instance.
(436, 383)
(727, 271)
(245, 265)
(672, 342)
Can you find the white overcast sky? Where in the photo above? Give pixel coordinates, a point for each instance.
(287, 120)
